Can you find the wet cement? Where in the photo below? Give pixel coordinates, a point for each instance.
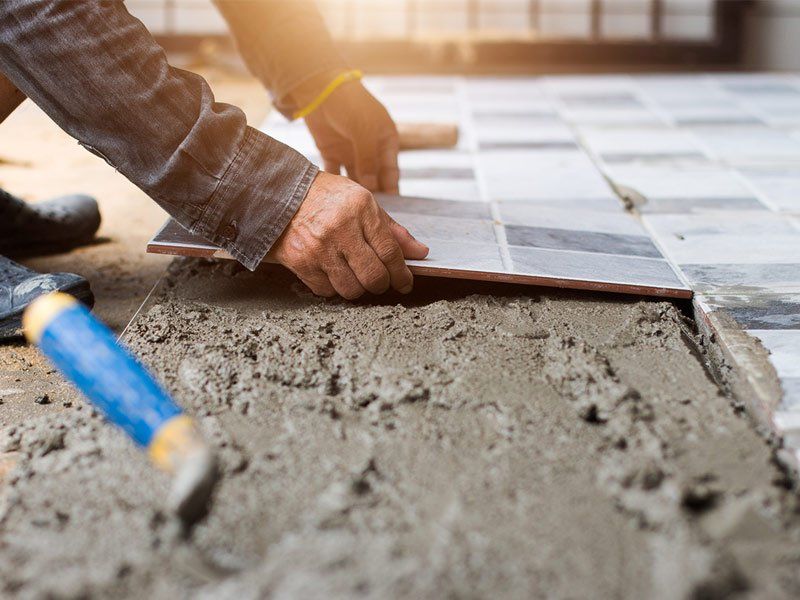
(466, 442)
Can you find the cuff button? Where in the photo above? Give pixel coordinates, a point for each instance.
(229, 231)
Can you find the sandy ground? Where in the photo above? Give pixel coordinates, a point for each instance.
(467, 441)
(38, 161)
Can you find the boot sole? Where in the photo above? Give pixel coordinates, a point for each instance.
(11, 323)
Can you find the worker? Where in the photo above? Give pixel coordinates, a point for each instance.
(99, 74)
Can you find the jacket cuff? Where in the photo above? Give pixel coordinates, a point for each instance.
(257, 197)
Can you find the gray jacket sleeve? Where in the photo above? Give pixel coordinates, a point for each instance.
(98, 73)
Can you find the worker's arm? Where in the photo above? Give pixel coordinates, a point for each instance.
(99, 74)
(287, 46)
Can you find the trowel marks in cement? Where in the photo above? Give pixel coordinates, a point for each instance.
(473, 446)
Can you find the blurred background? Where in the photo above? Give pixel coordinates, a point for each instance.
(527, 36)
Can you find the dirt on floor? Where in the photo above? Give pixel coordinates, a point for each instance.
(465, 441)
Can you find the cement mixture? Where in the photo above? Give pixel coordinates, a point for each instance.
(472, 442)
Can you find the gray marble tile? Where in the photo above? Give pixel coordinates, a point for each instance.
(606, 204)
(645, 156)
(763, 88)
(622, 270)
(445, 189)
(779, 187)
(569, 217)
(475, 258)
(743, 278)
(530, 145)
(434, 172)
(696, 205)
(760, 311)
(784, 348)
(583, 241)
(589, 99)
(434, 207)
(791, 394)
(739, 248)
(467, 231)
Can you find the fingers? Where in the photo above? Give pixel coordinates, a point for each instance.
(366, 152)
(389, 177)
(332, 166)
(318, 283)
(343, 280)
(368, 268)
(388, 251)
(411, 247)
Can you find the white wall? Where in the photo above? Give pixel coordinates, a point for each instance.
(773, 35)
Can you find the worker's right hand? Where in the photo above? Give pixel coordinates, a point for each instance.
(341, 241)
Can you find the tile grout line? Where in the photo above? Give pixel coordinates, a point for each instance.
(468, 119)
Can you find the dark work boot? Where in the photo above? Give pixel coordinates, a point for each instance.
(20, 286)
(46, 227)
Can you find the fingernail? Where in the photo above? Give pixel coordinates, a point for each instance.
(407, 289)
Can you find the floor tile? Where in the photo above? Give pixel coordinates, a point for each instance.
(784, 348)
(438, 208)
(733, 249)
(743, 278)
(616, 221)
(619, 145)
(700, 205)
(755, 145)
(760, 311)
(448, 173)
(606, 204)
(428, 227)
(791, 394)
(446, 189)
(779, 187)
(455, 255)
(594, 267)
(671, 182)
(730, 223)
(582, 241)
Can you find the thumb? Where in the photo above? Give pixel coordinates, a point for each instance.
(412, 248)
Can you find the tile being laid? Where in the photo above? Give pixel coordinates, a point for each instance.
(430, 227)
(599, 268)
(581, 241)
(457, 257)
(401, 205)
(466, 244)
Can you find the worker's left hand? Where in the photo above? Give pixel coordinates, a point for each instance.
(353, 130)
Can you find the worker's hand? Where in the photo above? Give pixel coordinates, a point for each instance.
(341, 241)
(353, 130)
